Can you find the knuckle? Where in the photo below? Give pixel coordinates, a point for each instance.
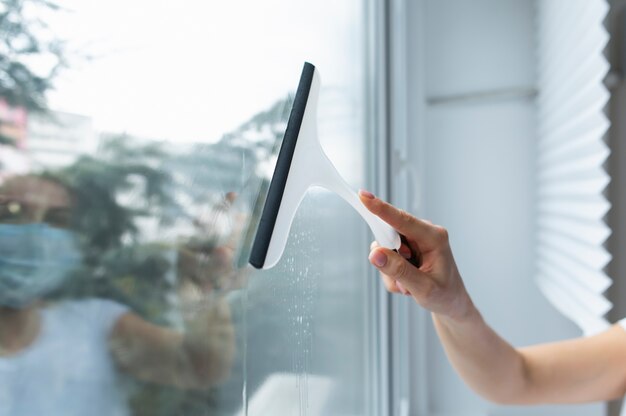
(405, 217)
(429, 289)
(426, 291)
(442, 234)
(400, 268)
(391, 288)
(377, 206)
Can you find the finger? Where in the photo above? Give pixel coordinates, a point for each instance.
(393, 286)
(230, 197)
(399, 270)
(390, 284)
(402, 289)
(402, 221)
(405, 251)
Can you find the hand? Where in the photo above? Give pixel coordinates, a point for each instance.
(207, 269)
(197, 358)
(436, 284)
(203, 263)
(210, 342)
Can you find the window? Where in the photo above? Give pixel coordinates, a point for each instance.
(134, 182)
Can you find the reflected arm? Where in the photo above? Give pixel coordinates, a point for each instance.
(199, 358)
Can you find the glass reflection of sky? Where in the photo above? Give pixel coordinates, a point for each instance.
(193, 70)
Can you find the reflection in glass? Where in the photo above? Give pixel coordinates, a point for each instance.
(125, 222)
(84, 299)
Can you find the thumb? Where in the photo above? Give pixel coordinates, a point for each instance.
(398, 269)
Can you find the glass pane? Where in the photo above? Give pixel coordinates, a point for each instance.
(135, 138)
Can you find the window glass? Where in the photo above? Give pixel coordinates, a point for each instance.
(135, 138)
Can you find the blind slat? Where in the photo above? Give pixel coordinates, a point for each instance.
(570, 307)
(591, 209)
(577, 144)
(595, 280)
(571, 152)
(585, 231)
(594, 184)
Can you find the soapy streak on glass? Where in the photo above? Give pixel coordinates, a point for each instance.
(292, 285)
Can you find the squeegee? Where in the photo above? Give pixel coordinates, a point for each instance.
(302, 164)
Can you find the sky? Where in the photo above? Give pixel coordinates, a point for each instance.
(193, 70)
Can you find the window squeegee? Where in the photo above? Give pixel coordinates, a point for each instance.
(302, 164)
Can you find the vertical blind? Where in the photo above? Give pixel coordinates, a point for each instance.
(571, 152)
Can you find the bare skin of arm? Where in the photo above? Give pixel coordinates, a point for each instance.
(198, 358)
(203, 355)
(573, 371)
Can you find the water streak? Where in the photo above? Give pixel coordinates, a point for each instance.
(244, 352)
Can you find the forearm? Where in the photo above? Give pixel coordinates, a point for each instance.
(584, 369)
(578, 370)
(199, 357)
(210, 349)
(572, 371)
(485, 361)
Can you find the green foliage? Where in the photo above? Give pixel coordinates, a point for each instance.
(121, 168)
(23, 36)
(6, 140)
(116, 264)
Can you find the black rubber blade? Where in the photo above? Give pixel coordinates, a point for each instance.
(281, 171)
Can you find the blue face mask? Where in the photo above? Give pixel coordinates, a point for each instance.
(34, 260)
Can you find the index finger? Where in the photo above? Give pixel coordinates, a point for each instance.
(424, 233)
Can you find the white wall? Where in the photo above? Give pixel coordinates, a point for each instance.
(477, 180)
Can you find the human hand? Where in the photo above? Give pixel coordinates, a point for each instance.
(210, 341)
(198, 357)
(436, 284)
(207, 269)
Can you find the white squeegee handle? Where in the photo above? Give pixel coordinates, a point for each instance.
(330, 179)
(311, 167)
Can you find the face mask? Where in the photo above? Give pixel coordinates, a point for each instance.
(34, 260)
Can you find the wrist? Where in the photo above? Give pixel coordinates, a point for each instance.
(464, 312)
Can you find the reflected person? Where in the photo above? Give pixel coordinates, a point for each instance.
(63, 358)
(572, 371)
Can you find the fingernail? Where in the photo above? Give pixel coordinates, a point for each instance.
(402, 289)
(378, 258)
(366, 194)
